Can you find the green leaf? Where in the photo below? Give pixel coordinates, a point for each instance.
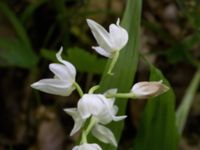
(125, 68)
(14, 53)
(49, 55)
(23, 44)
(183, 109)
(30, 9)
(157, 129)
(85, 61)
(81, 59)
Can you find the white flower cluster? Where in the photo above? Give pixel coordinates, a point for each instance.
(97, 109)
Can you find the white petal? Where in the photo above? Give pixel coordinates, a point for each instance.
(71, 69)
(62, 72)
(118, 35)
(78, 121)
(90, 104)
(103, 110)
(119, 118)
(104, 117)
(107, 116)
(114, 112)
(101, 51)
(54, 86)
(104, 134)
(86, 146)
(101, 35)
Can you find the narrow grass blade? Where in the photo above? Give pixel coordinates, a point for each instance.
(20, 31)
(30, 9)
(22, 36)
(183, 109)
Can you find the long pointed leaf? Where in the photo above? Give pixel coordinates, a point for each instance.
(14, 53)
(157, 128)
(21, 36)
(183, 109)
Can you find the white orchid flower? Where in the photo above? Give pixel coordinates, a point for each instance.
(62, 83)
(87, 146)
(145, 89)
(109, 42)
(100, 132)
(101, 109)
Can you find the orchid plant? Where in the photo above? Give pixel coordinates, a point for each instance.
(95, 110)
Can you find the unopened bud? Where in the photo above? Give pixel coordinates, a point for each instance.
(143, 90)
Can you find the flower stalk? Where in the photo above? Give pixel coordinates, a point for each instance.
(113, 62)
(86, 131)
(121, 95)
(93, 89)
(78, 88)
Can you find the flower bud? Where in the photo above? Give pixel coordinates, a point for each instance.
(143, 90)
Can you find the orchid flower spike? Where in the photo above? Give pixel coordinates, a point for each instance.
(87, 146)
(143, 90)
(64, 77)
(109, 42)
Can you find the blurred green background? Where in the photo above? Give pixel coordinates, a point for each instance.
(32, 31)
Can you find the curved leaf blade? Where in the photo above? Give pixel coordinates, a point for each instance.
(157, 128)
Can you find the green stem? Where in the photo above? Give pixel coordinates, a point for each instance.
(93, 89)
(83, 138)
(78, 88)
(113, 62)
(87, 130)
(121, 95)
